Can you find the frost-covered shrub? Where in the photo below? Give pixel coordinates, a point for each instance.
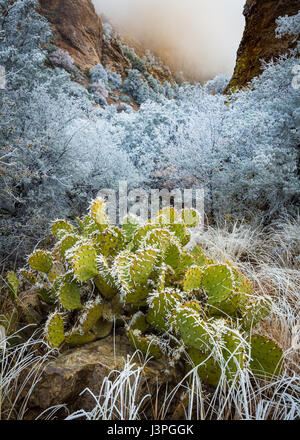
(99, 73)
(108, 32)
(99, 91)
(218, 84)
(136, 87)
(115, 80)
(288, 25)
(136, 62)
(61, 58)
(169, 90)
(57, 148)
(105, 79)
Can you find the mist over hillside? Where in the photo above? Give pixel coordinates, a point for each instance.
(196, 36)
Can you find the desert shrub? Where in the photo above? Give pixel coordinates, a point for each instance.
(61, 58)
(218, 84)
(136, 87)
(58, 148)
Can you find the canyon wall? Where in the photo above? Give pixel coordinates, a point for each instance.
(259, 41)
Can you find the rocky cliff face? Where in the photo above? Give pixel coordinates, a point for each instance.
(76, 28)
(259, 40)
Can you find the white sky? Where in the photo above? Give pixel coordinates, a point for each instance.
(202, 36)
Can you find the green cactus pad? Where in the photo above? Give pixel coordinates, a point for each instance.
(200, 258)
(61, 227)
(142, 265)
(172, 255)
(163, 276)
(192, 279)
(190, 217)
(102, 328)
(121, 244)
(106, 242)
(104, 281)
(54, 330)
(158, 238)
(256, 309)
(146, 344)
(195, 306)
(41, 261)
(138, 322)
(181, 233)
(88, 226)
(91, 313)
(56, 271)
(29, 276)
(69, 295)
(194, 331)
(267, 357)
(131, 293)
(161, 305)
(99, 331)
(121, 270)
(166, 216)
(130, 225)
(13, 284)
(66, 243)
(208, 369)
(186, 261)
(233, 352)
(84, 261)
(98, 212)
(217, 281)
(76, 338)
(46, 295)
(141, 234)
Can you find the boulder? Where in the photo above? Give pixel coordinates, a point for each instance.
(86, 367)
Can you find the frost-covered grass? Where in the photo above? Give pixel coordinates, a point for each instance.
(21, 366)
(119, 395)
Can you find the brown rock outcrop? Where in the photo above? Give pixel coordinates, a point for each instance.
(259, 41)
(76, 28)
(87, 366)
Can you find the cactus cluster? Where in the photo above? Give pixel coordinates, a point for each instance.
(172, 302)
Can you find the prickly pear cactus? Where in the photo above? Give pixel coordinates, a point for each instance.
(54, 330)
(92, 313)
(61, 227)
(172, 302)
(98, 212)
(161, 305)
(207, 367)
(41, 261)
(254, 310)
(193, 279)
(84, 261)
(69, 295)
(266, 357)
(13, 284)
(148, 345)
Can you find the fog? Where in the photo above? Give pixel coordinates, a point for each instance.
(199, 37)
